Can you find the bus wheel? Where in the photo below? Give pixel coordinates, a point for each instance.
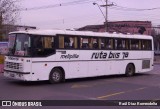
(130, 70)
(55, 76)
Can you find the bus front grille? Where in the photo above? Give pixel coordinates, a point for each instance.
(13, 66)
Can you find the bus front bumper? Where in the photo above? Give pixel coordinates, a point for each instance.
(16, 75)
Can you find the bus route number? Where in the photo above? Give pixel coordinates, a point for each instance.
(125, 55)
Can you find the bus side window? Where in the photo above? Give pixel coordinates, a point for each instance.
(127, 44)
(140, 44)
(73, 42)
(135, 44)
(149, 45)
(67, 42)
(109, 43)
(48, 42)
(90, 43)
(95, 43)
(44, 46)
(118, 44)
(84, 43)
(61, 41)
(146, 45)
(38, 42)
(102, 43)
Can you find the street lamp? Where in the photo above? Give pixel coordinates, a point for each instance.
(100, 10)
(103, 15)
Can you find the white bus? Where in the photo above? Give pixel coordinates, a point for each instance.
(56, 55)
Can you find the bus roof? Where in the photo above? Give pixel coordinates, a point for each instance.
(83, 33)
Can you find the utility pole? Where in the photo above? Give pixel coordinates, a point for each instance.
(106, 22)
(106, 19)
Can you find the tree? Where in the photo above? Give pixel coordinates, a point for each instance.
(141, 30)
(9, 12)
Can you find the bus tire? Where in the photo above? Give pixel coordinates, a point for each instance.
(130, 70)
(55, 76)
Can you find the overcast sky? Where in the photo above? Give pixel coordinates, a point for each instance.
(84, 12)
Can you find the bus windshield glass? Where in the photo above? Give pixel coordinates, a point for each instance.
(19, 44)
(11, 42)
(31, 45)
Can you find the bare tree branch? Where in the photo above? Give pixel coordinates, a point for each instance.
(9, 11)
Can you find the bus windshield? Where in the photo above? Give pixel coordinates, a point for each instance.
(31, 45)
(19, 44)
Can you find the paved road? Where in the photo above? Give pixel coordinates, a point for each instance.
(144, 86)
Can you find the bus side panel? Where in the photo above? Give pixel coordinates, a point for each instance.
(76, 70)
(73, 70)
(116, 67)
(97, 68)
(69, 61)
(147, 60)
(65, 67)
(85, 58)
(135, 58)
(27, 64)
(42, 70)
(91, 63)
(103, 67)
(83, 69)
(41, 67)
(39, 71)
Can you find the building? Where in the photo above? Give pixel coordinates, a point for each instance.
(157, 30)
(9, 28)
(132, 27)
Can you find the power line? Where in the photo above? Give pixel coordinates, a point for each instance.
(77, 2)
(59, 5)
(133, 9)
(149, 16)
